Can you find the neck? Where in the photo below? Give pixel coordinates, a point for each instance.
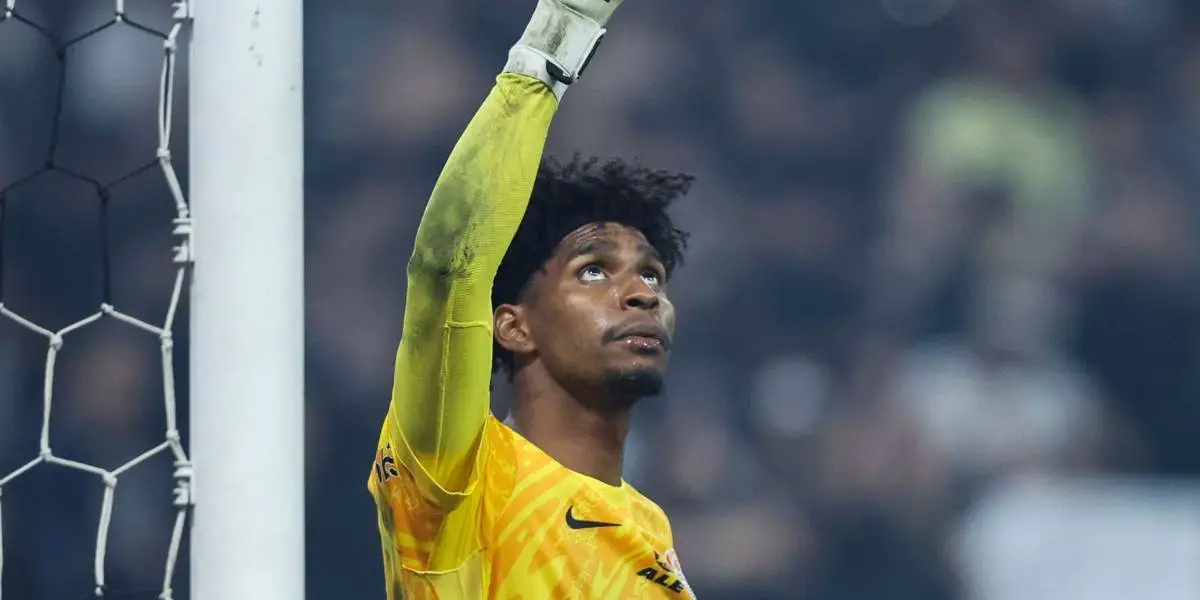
(570, 428)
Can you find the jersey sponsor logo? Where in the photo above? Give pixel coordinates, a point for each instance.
(385, 465)
(574, 523)
(667, 573)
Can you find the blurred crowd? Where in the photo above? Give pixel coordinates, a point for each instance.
(939, 324)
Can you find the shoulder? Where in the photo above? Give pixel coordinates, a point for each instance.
(649, 512)
(501, 440)
(508, 449)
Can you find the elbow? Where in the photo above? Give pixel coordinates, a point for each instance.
(436, 262)
(430, 267)
(438, 273)
(454, 260)
(441, 251)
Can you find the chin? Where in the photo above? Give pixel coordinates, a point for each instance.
(635, 383)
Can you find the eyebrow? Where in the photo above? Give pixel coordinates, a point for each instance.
(602, 246)
(594, 246)
(650, 251)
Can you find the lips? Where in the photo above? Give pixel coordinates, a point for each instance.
(650, 330)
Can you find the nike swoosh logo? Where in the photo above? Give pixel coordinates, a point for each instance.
(574, 523)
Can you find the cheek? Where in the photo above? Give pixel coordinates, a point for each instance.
(583, 317)
(575, 321)
(668, 315)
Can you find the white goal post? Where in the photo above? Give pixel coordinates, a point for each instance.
(246, 180)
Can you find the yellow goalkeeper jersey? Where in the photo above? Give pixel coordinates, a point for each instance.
(467, 508)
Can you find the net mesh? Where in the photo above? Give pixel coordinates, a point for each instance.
(160, 328)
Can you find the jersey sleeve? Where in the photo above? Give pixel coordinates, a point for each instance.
(441, 390)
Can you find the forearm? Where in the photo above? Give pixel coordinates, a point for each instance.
(481, 194)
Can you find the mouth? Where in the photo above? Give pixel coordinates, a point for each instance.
(646, 337)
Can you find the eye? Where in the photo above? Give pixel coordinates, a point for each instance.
(652, 278)
(591, 273)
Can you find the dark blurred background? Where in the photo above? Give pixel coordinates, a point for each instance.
(940, 325)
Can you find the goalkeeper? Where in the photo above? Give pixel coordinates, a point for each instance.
(555, 273)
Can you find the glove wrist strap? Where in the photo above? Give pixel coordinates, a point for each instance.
(556, 46)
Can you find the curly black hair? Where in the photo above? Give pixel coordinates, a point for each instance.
(570, 194)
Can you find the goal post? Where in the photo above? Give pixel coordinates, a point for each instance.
(247, 299)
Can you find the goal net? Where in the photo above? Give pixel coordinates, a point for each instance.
(243, 292)
(57, 339)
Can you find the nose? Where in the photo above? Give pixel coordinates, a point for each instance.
(641, 296)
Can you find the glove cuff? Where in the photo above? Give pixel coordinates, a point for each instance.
(556, 47)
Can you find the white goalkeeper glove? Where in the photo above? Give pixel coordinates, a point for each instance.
(560, 40)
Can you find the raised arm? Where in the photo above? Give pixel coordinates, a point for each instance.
(441, 393)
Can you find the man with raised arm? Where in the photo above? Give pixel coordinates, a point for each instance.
(556, 274)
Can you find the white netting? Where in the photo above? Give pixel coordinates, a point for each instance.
(13, 17)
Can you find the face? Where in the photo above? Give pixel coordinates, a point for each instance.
(597, 315)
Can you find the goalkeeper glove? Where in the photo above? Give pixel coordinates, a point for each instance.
(560, 40)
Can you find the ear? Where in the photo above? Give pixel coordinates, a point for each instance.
(511, 329)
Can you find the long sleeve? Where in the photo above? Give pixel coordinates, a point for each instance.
(441, 392)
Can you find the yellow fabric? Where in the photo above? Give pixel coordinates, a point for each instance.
(510, 539)
(444, 363)
(467, 508)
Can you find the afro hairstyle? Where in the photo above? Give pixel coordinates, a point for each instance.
(572, 193)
